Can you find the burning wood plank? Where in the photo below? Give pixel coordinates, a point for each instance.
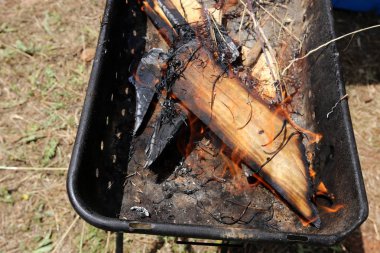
(245, 123)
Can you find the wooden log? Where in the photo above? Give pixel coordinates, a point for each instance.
(245, 124)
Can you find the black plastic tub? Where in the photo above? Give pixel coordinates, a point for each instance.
(95, 182)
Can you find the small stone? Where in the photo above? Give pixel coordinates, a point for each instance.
(88, 54)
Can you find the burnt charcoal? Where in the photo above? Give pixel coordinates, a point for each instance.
(147, 75)
(141, 211)
(182, 171)
(169, 123)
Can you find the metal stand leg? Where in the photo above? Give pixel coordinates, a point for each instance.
(119, 242)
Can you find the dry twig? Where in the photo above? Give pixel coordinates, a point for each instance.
(326, 44)
(65, 234)
(279, 22)
(266, 47)
(336, 104)
(31, 168)
(82, 237)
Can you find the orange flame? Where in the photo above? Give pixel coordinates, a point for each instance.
(322, 189)
(312, 173)
(307, 223)
(332, 209)
(273, 133)
(313, 137)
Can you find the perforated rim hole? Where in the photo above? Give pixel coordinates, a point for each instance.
(297, 238)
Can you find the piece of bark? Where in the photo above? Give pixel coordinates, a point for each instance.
(147, 75)
(166, 128)
(251, 55)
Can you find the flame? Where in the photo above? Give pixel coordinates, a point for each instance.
(312, 173)
(307, 223)
(321, 189)
(194, 134)
(232, 164)
(272, 134)
(325, 209)
(313, 137)
(282, 111)
(332, 209)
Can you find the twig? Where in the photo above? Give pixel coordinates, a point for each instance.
(220, 33)
(81, 237)
(5, 178)
(17, 50)
(107, 242)
(241, 22)
(65, 234)
(336, 104)
(278, 21)
(268, 50)
(131, 175)
(326, 44)
(31, 168)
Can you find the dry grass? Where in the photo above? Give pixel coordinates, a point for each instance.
(365, 113)
(359, 55)
(42, 85)
(42, 77)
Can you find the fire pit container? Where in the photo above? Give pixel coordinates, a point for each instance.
(95, 182)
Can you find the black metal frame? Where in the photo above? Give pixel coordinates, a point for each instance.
(100, 207)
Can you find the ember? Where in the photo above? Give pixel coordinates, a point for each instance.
(210, 121)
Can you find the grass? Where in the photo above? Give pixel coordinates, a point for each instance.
(42, 87)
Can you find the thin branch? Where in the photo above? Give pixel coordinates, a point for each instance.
(17, 50)
(279, 22)
(336, 104)
(241, 22)
(65, 234)
(268, 50)
(31, 168)
(82, 237)
(326, 44)
(107, 242)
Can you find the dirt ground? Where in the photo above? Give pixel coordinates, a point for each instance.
(46, 49)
